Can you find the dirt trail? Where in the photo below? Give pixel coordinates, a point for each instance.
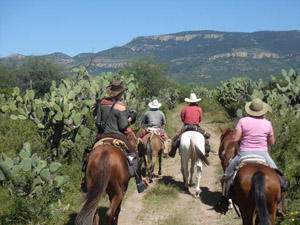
(193, 210)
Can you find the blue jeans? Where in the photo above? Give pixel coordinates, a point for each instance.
(234, 161)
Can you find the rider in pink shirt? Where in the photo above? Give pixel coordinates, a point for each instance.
(255, 134)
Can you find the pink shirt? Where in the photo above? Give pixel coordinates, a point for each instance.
(254, 133)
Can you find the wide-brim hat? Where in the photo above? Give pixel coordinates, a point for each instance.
(116, 87)
(192, 98)
(256, 107)
(154, 104)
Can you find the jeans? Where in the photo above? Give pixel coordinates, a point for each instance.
(234, 161)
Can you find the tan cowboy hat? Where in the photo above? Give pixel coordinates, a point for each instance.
(193, 98)
(256, 107)
(116, 87)
(154, 104)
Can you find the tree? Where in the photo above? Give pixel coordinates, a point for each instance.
(38, 73)
(150, 74)
(8, 79)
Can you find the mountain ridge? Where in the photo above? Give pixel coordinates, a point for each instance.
(204, 57)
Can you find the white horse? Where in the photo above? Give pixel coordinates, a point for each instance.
(192, 146)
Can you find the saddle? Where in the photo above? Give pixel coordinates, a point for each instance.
(156, 131)
(114, 142)
(242, 162)
(123, 147)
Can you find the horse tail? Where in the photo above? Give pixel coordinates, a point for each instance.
(200, 155)
(99, 184)
(149, 145)
(259, 192)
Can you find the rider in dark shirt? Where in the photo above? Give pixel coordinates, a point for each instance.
(117, 122)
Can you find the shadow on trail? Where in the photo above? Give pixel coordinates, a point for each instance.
(101, 212)
(168, 180)
(209, 197)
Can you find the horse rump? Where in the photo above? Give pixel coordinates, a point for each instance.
(99, 183)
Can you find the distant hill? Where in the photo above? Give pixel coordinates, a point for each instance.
(204, 57)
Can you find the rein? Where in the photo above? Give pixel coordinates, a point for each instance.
(235, 209)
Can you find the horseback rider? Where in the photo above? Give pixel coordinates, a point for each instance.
(113, 121)
(191, 116)
(255, 134)
(154, 118)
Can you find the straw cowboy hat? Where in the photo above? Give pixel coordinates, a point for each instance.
(154, 104)
(256, 107)
(116, 87)
(193, 98)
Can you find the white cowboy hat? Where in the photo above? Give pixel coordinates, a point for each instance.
(193, 98)
(154, 104)
(256, 107)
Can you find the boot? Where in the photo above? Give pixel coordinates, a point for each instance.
(175, 145)
(141, 186)
(207, 148)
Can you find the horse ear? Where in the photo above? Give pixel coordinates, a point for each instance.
(221, 130)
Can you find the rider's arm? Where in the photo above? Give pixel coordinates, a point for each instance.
(271, 140)
(236, 136)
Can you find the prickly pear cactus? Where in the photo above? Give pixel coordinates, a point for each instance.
(41, 172)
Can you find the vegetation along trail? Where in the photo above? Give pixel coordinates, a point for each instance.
(166, 202)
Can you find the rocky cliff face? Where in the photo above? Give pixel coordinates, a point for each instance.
(204, 57)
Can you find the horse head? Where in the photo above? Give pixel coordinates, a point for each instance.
(131, 135)
(227, 148)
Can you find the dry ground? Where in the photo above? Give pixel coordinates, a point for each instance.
(190, 210)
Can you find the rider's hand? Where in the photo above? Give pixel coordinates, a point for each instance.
(133, 116)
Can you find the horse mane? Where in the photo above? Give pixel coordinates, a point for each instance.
(226, 132)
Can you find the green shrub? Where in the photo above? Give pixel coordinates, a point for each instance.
(14, 133)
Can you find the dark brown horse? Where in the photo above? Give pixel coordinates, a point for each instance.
(152, 146)
(257, 192)
(107, 170)
(227, 149)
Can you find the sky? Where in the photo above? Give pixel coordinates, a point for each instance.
(39, 27)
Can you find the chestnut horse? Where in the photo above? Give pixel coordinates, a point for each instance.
(152, 146)
(256, 187)
(257, 192)
(107, 170)
(227, 149)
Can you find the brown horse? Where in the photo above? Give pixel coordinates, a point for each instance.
(227, 149)
(152, 146)
(107, 170)
(257, 192)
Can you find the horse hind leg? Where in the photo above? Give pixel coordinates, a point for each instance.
(113, 211)
(185, 173)
(159, 165)
(199, 171)
(96, 218)
(192, 169)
